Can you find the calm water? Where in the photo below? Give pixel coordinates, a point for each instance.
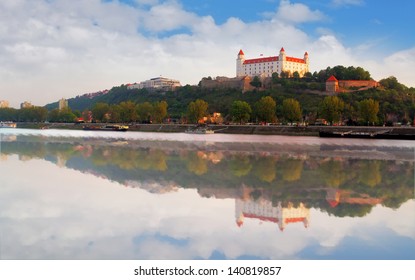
(105, 195)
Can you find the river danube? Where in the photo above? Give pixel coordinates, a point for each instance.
(113, 195)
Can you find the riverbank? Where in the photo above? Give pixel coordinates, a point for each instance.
(236, 129)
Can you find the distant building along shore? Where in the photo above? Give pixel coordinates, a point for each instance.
(156, 83)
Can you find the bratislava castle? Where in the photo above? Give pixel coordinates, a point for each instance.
(265, 66)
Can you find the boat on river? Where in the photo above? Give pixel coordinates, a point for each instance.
(382, 134)
(8, 125)
(109, 127)
(200, 130)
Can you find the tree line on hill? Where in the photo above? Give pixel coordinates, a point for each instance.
(287, 100)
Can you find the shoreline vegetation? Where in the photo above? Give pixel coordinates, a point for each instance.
(233, 129)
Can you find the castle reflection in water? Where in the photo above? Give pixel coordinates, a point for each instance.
(271, 182)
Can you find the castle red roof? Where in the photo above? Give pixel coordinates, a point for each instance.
(272, 59)
(241, 52)
(332, 79)
(262, 218)
(294, 220)
(294, 59)
(282, 50)
(262, 59)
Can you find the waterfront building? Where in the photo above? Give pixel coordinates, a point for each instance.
(63, 103)
(26, 105)
(265, 66)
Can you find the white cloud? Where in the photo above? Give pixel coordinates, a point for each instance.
(169, 16)
(297, 13)
(63, 48)
(400, 64)
(348, 2)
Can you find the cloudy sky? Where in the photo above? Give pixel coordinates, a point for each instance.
(56, 48)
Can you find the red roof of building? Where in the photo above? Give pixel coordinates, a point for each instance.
(262, 218)
(294, 220)
(260, 60)
(332, 79)
(294, 59)
(272, 59)
(241, 52)
(282, 50)
(333, 203)
(306, 53)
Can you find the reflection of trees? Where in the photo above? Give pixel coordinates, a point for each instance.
(298, 181)
(291, 169)
(369, 173)
(350, 210)
(240, 165)
(130, 159)
(196, 164)
(333, 173)
(264, 169)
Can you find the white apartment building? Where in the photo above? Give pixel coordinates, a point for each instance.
(4, 104)
(156, 83)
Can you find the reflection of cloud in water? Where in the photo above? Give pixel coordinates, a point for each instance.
(53, 212)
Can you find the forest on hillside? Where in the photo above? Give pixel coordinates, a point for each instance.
(285, 99)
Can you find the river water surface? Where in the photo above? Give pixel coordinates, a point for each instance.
(111, 195)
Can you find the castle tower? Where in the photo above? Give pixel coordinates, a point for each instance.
(239, 64)
(282, 58)
(332, 85)
(282, 55)
(306, 58)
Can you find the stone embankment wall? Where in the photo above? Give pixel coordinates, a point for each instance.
(237, 129)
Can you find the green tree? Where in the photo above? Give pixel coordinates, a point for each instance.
(275, 78)
(8, 114)
(128, 112)
(265, 109)
(331, 109)
(197, 110)
(291, 110)
(392, 83)
(240, 111)
(66, 115)
(145, 111)
(284, 74)
(308, 77)
(296, 75)
(99, 111)
(115, 113)
(40, 114)
(256, 82)
(159, 111)
(368, 110)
